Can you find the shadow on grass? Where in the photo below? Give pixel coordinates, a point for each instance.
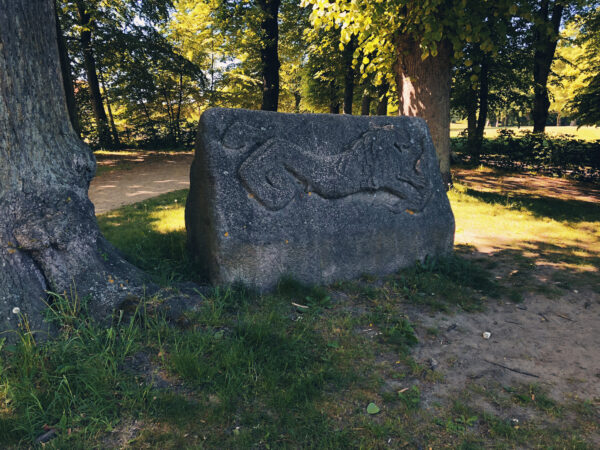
(552, 208)
(144, 235)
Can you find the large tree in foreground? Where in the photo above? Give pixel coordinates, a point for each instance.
(49, 238)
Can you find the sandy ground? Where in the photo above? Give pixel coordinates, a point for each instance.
(138, 177)
(552, 341)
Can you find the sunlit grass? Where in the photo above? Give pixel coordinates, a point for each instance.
(169, 218)
(586, 133)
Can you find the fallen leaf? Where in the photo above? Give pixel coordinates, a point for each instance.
(373, 408)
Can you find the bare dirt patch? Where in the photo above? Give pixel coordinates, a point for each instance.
(130, 177)
(547, 340)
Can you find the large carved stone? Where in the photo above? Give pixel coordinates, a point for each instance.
(318, 197)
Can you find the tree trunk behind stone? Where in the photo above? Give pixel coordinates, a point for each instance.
(424, 91)
(334, 101)
(382, 93)
(49, 237)
(269, 55)
(348, 75)
(365, 104)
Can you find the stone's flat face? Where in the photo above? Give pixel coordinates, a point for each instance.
(316, 196)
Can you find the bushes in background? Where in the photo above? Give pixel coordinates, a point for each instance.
(562, 155)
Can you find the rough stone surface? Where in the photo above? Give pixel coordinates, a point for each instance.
(317, 197)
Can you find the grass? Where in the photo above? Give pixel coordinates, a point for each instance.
(248, 370)
(586, 133)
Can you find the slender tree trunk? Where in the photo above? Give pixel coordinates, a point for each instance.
(113, 127)
(65, 68)
(348, 75)
(170, 113)
(150, 121)
(546, 34)
(49, 237)
(179, 103)
(334, 101)
(484, 89)
(424, 91)
(297, 100)
(382, 94)
(472, 128)
(89, 63)
(365, 104)
(268, 55)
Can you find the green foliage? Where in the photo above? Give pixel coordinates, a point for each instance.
(555, 155)
(586, 102)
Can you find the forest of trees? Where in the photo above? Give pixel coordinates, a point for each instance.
(140, 73)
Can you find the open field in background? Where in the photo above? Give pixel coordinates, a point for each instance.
(586, 133)
(392, 362)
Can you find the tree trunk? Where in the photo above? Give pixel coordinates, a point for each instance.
(268, 54)
(424, 91)
(89, 63)
(297, 100)
(382, 93)
(65, 68)
(179, 104)
(334, 101)
(472, 127)
(484, 89)
(365, 104)
(348, 75)
(113, 127)
(545, 38)
(49, 237)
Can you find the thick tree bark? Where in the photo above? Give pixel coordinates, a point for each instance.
(365, 104)
(348, 75)
(65, 67)
(268, 55)
(424, 91)
(382, 93)
(89, 62)
(49, 237)
(545, 38)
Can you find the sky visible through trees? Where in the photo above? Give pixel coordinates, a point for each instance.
(142, 72)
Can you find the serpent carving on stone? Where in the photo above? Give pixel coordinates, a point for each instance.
(382, 159)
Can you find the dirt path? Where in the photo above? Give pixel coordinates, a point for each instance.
(126, 177)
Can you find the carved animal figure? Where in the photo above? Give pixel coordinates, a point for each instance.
(382, 159)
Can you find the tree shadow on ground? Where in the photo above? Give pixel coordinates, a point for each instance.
(540, 266)
(545, 207)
